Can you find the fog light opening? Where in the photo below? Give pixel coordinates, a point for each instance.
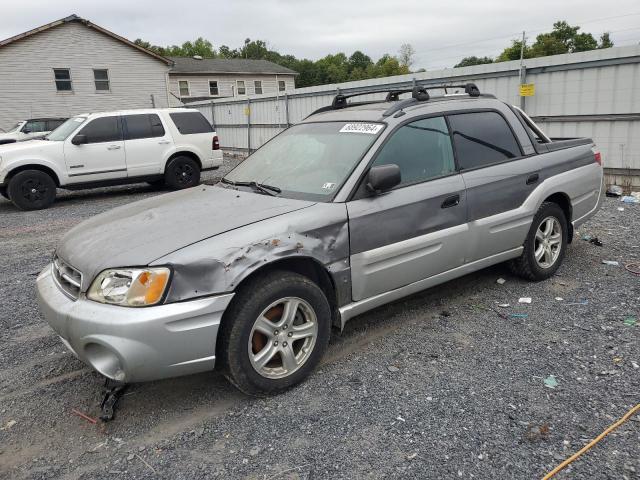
(104, 361)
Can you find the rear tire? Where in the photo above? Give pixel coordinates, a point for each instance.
(274, 333)
(4, 193)
(32, 190)
(182, 172)
(545, 245)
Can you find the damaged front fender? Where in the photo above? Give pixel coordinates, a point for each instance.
(220, 263)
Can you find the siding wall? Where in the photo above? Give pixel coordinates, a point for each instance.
(27, 87)
(199, 84)
(603, 83)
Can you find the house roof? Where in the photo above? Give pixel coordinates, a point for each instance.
(87, 23)
(189, 65)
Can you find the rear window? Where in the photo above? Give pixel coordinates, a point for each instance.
(191, 122)
(143, 126)
(482, 138)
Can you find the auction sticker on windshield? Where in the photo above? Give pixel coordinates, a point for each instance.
(371, 128)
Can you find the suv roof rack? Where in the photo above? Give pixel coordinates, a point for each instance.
(419, 93)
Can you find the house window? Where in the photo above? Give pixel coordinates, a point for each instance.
(101, 79)
(213, 88)
(281, 86)
(241, 89)
(63, 79)
(258, 86)
(183, 86)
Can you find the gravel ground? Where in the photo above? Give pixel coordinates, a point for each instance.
(435, 386)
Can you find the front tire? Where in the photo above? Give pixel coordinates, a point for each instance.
(32, 190)
(182, 172)
(274, 333)
(545, 245)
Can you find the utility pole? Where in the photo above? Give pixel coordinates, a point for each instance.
(522, 73)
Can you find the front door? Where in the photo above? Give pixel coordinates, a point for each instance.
(418, 229)
(102, 157)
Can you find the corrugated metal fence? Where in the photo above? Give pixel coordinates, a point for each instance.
(594, 94)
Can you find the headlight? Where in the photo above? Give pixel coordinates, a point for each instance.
(130, 287)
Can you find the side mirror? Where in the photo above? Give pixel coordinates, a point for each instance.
(383, 177)
(79, 139)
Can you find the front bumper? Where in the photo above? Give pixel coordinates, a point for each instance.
(135, 344)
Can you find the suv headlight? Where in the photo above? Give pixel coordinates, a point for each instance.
(130, 287)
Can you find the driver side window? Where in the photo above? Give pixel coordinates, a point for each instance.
(103, 129)
(421, 149)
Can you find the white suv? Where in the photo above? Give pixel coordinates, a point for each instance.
(30, 129)
(170, 146)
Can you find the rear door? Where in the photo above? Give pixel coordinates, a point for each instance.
(147, 144)
(102, 157)
(418, 229)
(498, 176)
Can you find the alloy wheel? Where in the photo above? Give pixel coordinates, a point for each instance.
(548, 242)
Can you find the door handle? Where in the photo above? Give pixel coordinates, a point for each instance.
(113, 147)
(164, 142)
(533, 179)
(451, 201)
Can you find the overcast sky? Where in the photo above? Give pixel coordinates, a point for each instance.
(441, 32)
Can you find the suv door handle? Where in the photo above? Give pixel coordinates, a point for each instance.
(164, 142)
(451, 201)
(113, 147)
(533, 179)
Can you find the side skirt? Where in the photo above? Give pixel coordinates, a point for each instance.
(350, 310)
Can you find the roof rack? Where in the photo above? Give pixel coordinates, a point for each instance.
(419, 93)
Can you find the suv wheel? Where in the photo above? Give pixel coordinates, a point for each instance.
(545, 246)
(274, 333)
(32, 190)
(182, 172)
(4, 193)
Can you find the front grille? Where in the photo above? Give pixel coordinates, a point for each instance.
(68, 278)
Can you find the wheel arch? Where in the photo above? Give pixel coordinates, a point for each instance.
(34, 166)
(184, 153)
(564, 202)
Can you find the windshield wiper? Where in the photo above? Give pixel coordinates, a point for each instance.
(260, 187)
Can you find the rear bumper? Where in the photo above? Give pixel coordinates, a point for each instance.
(214, 160)
(135, 344)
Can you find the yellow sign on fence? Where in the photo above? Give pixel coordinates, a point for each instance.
(527, 90)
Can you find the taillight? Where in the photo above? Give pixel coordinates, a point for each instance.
(215, 143)
(597, 156)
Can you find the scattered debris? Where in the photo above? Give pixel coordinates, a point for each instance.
(501, 281)
(630, 199)
(8, 425)
(412, 456)
(550, 382)
(504, 305)
(143, 461)
(580, 302)
(613, 263)
(519, 315)
(254, 451)
(559, 299)
(630, 321)
(525, 300)
(535, 432)
(400, 418)
(621, 209)
(596, 241)
(633, 268)
(393, 368)
(445, 313)
(635, 365)
(112, 392)
(84, 416)
(614, 191)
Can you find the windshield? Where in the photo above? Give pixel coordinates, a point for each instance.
(16, 127)
(67, 128)
(309, 161)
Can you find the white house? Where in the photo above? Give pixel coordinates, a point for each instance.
(72, 66)
(195, 79)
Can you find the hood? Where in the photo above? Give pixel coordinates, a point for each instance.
(31, 147)
(141, 232)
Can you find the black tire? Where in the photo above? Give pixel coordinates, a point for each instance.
(526, 266)
(4, 193)
(182, 172)
(32, 190)
(232, 352)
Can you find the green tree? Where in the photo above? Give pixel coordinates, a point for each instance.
(469, 61)
(359, 60)
(405, 55)
(605, 41)
(513, 52)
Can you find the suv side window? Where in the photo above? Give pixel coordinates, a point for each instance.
(143, 126)
(482, 138)
(191, 122)
(421, 149)
(103, 129)
(35, 126)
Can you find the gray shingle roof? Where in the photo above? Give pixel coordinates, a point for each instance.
(223, 65)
